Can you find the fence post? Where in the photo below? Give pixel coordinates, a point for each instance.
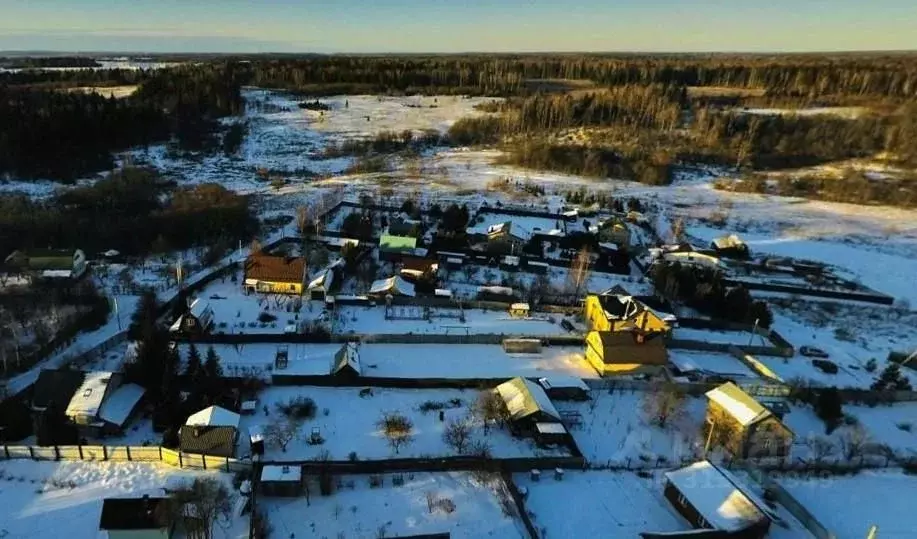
(180, 463)
(31, 453)
(160, 453)
(6, 450)
(80, 449)
(56, 452)
(127, 449)
(104, 452)
(204, 461)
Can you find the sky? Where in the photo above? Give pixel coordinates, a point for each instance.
(376, 26)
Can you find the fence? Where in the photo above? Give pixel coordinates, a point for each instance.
(101, 453)
(691, 388)
(785, 499)
(870, 296)
(444, 464)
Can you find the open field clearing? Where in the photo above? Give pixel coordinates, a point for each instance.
(117, 92)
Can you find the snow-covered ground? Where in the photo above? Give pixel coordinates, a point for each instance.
(599, 504)
(348, 423)
(411, 360)
(616, 430)
(719, 337)
(64, 499)
(849, 505)
(474, 508)
(371, 320)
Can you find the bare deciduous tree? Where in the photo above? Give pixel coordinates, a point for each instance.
(664, 404)
(200, 505)
(457, 435)
(579, 271)
(283, 432)
(853, 441)
(398, 430)
(490, 407)
(820, 447)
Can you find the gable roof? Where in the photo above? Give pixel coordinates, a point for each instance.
(717, 496)
(738, 404)
(134, 514)
(119, 405)
(87, 399)
(392, 242)
(213, 416)
(393, 285)
(55, 385)
(524, 398)
(208, 440)
(284, 269)
(347, 357)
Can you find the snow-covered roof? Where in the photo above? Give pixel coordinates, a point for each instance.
(281, 473)
(442, 292)
(716, 496)
(550, 428)
(561, 381)
(323, 280)
(519, 307)
(454, 260)
(119, 405)
(524, 398)
(609, 246)
(347, 356)
(213, 416)
(256, 433)
(393, 285)
(511, 260)
(500, 290)
(88, 398)
(726, 242)
(57, 274)
(739, 404)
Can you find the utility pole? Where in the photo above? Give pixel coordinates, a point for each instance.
(709, 438)
(754, 332)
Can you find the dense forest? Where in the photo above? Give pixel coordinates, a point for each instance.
(133, 211)
(629, 116)
(62, 135)
(49, 62)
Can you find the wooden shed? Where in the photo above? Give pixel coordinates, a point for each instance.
(281, 481)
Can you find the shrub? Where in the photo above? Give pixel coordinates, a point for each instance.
(298, 407)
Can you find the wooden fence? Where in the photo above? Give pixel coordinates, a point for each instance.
(105, 453)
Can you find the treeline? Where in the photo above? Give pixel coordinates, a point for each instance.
(74, 77)
(592, 161)
(61, 135)
(852, 187)
(504, 75)
(133, 211)
(51, 61)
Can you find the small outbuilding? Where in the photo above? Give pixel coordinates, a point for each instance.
(394, 286)
(626, 352)
(743, 426)
(519, 310)
(712, 498)
(550, 433)
(136, 518)
(212, 431)
(281, 481)
(196, 320)
(522, 346)
(527, 404)
(564, 388)
(346, 362)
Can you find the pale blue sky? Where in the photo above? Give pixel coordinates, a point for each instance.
(457, 25)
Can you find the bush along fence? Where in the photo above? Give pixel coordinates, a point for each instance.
(104, 453)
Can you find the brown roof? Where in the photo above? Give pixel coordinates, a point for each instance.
(284, 269)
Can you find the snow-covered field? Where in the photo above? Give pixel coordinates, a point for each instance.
(719, 337)
(356, 509)
(64, 499)
(348, 423)
(412, 360)
(371, 320)
(848, 505)
(616, 430)
(599, 504)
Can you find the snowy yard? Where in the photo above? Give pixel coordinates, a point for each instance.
(849, 505)
(56, 499)
(410, 360)
(616, 430)
(445, 321)
(348, 423)
(599, 504)
(720, 337)
(710, 363)
(236, 312)
(356, 509)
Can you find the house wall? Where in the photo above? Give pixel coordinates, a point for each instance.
(727, 432)
(595, 315)
(768, 438)
(281, 488)
(274, 287)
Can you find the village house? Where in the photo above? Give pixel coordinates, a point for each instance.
(559, 387)
(136, 518)
(85, 406)
(503, 239)
(47, 263)
(268, 274)
(527, 405)
(614, 230)
(398, 240)
(711, 498)
(213, 431)
(393, 286)
(742, 426)
(626, 352)
(346, 361)
(615, 310)
(50, 396)
(196, 320)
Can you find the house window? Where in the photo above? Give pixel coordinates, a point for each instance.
(702, 522)
(682, 500)
(292, 288)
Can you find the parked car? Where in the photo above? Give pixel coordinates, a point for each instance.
(811, 351)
